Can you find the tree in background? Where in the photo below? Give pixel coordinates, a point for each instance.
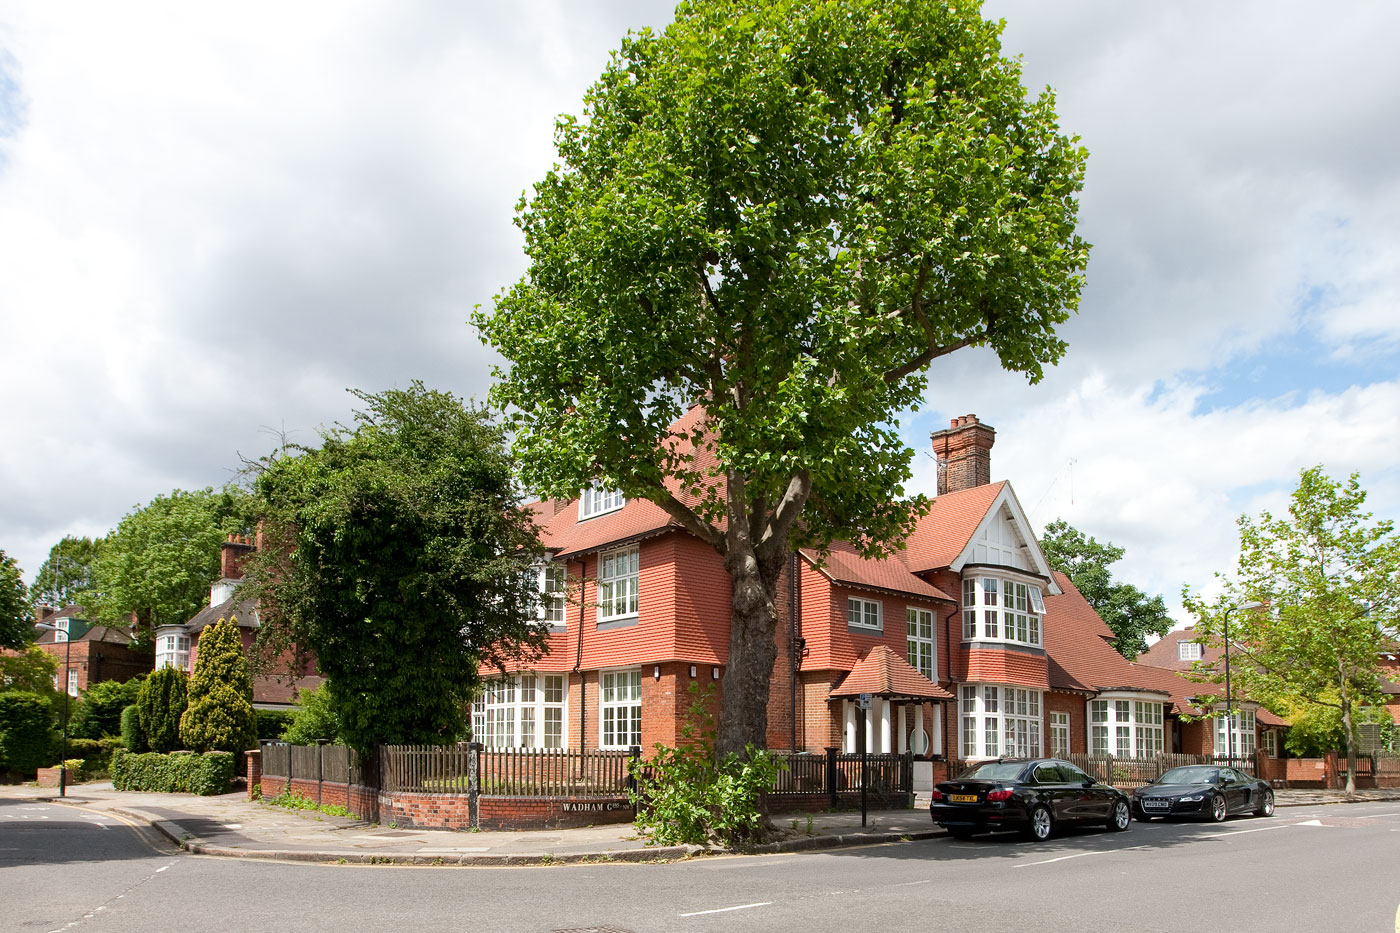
(160, 560)
(16, 617)
(1130, 612)
(161, 702)
(31, 670)
(314, 719)
(66, 577)
(787, 209)
(399, 555)
(25, 732)
(1328, 575)
(220, 712)
(100, 711)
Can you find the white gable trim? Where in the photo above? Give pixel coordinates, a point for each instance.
(1007, 499)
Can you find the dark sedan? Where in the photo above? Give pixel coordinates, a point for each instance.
(1034, 796)
(1204, 792)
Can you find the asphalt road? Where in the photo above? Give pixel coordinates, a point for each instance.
(1323, 867)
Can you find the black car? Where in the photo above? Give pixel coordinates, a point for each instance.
(1031, 795)
(1203, 791)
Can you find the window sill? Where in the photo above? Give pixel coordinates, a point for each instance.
(864, 629)
(622, 622)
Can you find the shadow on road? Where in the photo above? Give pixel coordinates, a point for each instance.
(37, 833)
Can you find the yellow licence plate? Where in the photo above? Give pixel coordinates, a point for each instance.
(963, 798)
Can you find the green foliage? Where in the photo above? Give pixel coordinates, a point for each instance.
(92, 755)
(789, 209)
(208, 774)
(271, 723)
(162, 557)
(25, 730)
(31, 670)
(684, 796)
(314, 719)
(100, 712)
(1328, 575)
(220, 712)
(399, 555)
(295, 801)
(133, 736)
(67, 576)
(1130, 612)
(161, 702)
(16, 616)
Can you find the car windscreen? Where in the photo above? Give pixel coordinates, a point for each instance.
(1189, 775)
(996, 771)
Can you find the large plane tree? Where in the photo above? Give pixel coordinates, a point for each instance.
(784, 209)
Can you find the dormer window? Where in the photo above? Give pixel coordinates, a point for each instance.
(1188, 650)
(1002, 609)
(598, 502)
(60, 629)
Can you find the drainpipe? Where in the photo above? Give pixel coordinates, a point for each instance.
(797, 644)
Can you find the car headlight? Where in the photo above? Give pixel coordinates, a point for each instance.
(1194, 797)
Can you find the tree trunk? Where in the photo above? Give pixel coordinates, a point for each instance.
(1351, 739)
(743, 715)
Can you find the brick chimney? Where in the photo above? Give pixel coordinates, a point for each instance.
(964, 453)
(231, 555)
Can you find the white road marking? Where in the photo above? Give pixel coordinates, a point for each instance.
(725, 910)
(905, 884)
(1311, 823)
(1259, 829)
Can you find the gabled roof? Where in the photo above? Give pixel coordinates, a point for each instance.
(942, 534)
(844, 564)
(245, 610)
(883, 673)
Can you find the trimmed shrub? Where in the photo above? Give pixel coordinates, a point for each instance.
(272, 723)
(220, 714)
(24, 732)
(180, 772)
(133, 736)
(161, 703)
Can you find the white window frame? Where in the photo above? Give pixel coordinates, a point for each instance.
(1188, 651)
(619, 582)
(1059, 733)
(522, 711)
(921, 647)
(593, 502)
(1271, 743)
(1244, 725)
(1126, 726)
(60, 630)
(72, 681)
(620, 708)
(173, 650)
(999, 721)
(552, 579)
(860, 611)
(1004, 609)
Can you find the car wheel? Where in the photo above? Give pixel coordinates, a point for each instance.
(1217, 808)
(1120, 816)
(1266, 804)
(1040, 824)
(960, 833)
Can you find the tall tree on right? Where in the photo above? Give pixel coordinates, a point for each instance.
(1328, 575)
(1131, 613)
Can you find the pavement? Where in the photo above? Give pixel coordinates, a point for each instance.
(233, 826)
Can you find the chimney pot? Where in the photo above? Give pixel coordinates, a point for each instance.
(964, 453)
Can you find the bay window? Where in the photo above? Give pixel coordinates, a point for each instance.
(1000, 721)
(524, 711)
(1001, 609)
(173, 651)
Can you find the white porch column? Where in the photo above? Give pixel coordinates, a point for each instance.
(903, 728)
(885, 744)
(937, 737)
(848, 711)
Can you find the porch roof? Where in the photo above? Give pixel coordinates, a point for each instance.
(883, 673)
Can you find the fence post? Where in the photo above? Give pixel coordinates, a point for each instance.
(320, 768)
(906, 778)
(474, 784)
(831, 751)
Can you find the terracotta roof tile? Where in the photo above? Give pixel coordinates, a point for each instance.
(844, 564)
(943, 533)
(883, 673)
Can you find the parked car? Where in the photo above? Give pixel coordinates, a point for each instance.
(1031, 795)
(1203, 791)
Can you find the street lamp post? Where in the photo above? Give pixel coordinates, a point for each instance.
(1229, 695)
(67, 665)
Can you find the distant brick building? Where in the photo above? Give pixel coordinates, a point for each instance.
(96, 652)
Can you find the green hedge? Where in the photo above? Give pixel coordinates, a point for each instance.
(24, 732)
(133, 736)
(177, 772)
(272, 723)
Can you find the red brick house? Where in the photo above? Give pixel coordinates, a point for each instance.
(970, 646)
(178, 645)
(93, 653)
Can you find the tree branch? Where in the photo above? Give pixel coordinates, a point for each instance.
(691, 522)
(799, 488)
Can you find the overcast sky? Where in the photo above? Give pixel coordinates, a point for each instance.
(214, 220)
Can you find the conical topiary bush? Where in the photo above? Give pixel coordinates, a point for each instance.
(220, 714)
